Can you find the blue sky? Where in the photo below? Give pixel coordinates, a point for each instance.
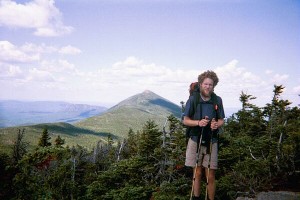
(104, 51)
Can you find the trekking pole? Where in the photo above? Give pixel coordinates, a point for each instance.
(197, 160)
(208, 167)
(210, 151)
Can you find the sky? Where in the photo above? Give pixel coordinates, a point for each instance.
(103, 51)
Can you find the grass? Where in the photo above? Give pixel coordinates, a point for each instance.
(119, 121)
(71, 134)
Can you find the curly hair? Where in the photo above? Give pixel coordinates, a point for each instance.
(208, 74)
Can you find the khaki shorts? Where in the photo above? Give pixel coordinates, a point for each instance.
(191, 155)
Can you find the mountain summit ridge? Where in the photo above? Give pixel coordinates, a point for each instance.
(140, 100)
(132, 113)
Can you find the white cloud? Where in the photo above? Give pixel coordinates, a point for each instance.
(268, 71)
(125, 78)
(280, 78)
(133, 75)
(234, 78)
(69, 50)
(11, 53)
(66, 66)
(133, 67)
(37, 75)
(41, 15)
(296, 89)
(31, 64)
(57, 66)
(30, 53)
(38, 49)
(10, 71)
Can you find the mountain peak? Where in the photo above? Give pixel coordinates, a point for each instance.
(133, 112)
(145, 100)
(147, 92)
(139, 99)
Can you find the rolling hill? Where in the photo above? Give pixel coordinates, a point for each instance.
(71, 134)
(129, 113)
(19, 113)
(133, 112)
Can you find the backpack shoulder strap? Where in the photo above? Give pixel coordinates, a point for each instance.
(196, 97)
(214, 100)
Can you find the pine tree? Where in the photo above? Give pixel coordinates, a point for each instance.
(262, 147)
(128, 146)
(150, 139)
(44, 140)
(170, 153)
(19, 147)
(245, 99)
(59, 141)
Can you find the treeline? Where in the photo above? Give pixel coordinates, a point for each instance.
(259, 151)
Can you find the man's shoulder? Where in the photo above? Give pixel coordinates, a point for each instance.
(218, 98)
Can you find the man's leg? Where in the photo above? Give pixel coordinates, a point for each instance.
(197, 184)
(213, 158)
(211, 187)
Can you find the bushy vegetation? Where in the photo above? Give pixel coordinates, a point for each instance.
(259, 151)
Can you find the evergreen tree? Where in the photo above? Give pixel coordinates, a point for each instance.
(122, 180)
(19, 147)
(105, 154)
(150, 139)
(45, 139)
(132, 143)
(259, 150)
(44, 174)
(81, 168)
(260, 147)
(7, 173)
(245, 99)
(59, 141)
(172, 150)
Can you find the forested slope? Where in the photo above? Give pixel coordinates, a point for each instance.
(259, 151)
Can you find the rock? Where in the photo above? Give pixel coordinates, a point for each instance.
(280, 195)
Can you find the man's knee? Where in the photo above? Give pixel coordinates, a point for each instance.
(211, 175)
(198, 171)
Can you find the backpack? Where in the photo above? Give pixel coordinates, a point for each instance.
(195, 90)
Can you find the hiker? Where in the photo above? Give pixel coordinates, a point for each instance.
(204, 114)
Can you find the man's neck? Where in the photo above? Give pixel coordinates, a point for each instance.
(205, 98)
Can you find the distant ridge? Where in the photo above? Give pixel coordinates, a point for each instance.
(132, 112)
(16, 113)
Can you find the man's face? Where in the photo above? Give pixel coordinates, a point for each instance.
(207, 87)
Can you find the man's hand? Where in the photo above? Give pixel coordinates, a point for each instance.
(203, 122)
(214, 124)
